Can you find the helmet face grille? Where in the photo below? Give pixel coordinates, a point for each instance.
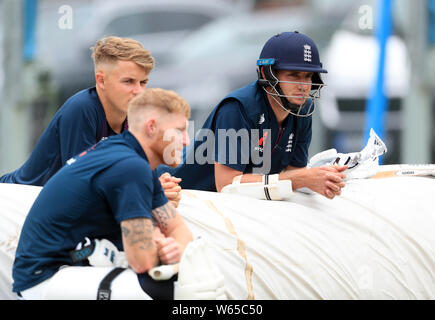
(271, 85)
(304, 109)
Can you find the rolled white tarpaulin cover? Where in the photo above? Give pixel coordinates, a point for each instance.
(375, 241)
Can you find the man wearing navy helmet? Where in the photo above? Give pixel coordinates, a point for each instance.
(275, 113)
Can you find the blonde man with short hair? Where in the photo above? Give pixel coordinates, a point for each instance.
(122, 67)
(110, 191)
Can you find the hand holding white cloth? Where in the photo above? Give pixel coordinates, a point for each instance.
(363, 164)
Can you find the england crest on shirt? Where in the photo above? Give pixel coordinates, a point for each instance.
(289, 146)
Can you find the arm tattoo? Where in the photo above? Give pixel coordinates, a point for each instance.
(139, 230)
(162, 214)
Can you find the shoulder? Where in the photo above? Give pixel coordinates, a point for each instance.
(248, 102)
(120, 168)
(83, 103)
(244, 96)
(240, 99)
(229, 106)
(247, 92)
(231, 115)
(130, 166)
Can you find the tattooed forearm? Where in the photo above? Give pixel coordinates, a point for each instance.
(162, 214)
(125, 231)
(138, 230)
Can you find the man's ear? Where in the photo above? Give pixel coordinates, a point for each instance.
(262, 73)
(99, 79)
(150, 128)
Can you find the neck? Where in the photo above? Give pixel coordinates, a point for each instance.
(279, 112)
(147, 147)
(153, 160)
(114, 117)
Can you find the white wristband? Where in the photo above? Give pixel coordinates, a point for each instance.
(270, 179)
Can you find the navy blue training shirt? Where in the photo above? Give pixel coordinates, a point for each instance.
(89, 197)
(77, 125)
(245, 111)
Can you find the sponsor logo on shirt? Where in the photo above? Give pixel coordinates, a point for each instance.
(261, 142)
(71, 161)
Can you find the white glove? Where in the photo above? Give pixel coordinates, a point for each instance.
(106, 254)
(363, 164)
(199, 278)
(323, 158)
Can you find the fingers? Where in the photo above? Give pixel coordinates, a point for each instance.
(329, 194)
(335, 177)
(166, 177)
(340, 168)
(334, 180)
(334, 168)
(176, 180)
(327, 180)
(169, 250)
(172, 196)
(334, 187)
(334, 184)
(171, 187)
(172, 190)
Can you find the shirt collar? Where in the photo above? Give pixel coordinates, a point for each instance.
(131, 140)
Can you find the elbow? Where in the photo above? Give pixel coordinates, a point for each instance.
(143, 267)
(140, 268)
(144, 264)
(218, 188)
(221, 184)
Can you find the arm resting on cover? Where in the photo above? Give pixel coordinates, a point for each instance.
(176, 233)
(139, 246)
(326, 180)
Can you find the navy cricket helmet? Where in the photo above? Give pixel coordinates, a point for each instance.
(290, 51)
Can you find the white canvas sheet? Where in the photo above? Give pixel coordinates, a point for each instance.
(375, 241)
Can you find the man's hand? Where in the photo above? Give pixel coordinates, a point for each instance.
(169, 250)
(171, 188)
(326, 180)
(171, 234)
